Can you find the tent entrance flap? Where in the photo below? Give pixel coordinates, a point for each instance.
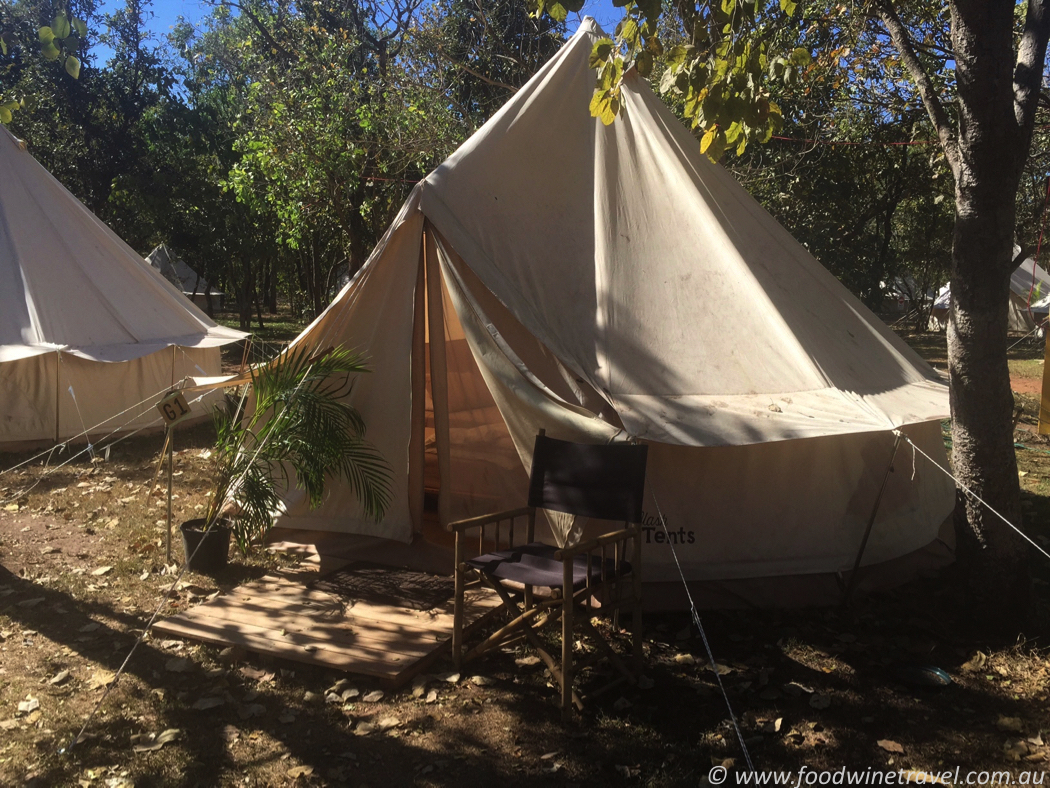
(470, 460)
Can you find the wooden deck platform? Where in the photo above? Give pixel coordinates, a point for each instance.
(383, 622)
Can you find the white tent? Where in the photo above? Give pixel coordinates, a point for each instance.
(610, 282)
(192, 284)
(90, 335)
(1029, 298)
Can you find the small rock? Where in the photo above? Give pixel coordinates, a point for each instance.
(432, 696)
(373, 697)
(364, 728)
(28, 705)
(685, 659)
(59, 677)
(177, 665)
(820, 701)
(481, 681)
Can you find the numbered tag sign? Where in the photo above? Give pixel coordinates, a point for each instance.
(174, 408)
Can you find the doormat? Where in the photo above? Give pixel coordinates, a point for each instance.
(385, 585)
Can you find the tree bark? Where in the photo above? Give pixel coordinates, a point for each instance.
(992, 145)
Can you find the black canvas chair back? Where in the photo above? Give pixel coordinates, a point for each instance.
(605, 481)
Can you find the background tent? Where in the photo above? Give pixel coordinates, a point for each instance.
(88, 330)
(1029, 298)
(556, 273)
(192, 284)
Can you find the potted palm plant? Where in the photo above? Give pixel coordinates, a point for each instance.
(291, 425)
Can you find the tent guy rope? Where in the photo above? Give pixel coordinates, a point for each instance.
(703, 635)
(968, 491)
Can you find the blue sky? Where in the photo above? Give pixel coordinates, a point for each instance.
(166, 12)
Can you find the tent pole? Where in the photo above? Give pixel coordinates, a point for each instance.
(417, 440)
(171, 463)
(438, 369)
(871, 521)
(58, 389)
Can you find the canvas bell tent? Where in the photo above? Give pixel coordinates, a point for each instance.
(1029, 299)
(558, 274)
(192, 284)
(90, 335)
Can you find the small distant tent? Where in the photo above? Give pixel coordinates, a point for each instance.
(1029, 299)
(559, 274)
(192, 284)
(90, 335)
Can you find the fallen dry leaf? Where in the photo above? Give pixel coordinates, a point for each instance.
(101, 678)
(142, 742)
(890, 746)
(1010, 724)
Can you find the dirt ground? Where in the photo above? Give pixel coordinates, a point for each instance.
(83, 567)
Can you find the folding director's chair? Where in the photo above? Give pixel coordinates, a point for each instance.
(599, 481)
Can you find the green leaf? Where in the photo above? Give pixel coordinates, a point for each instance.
(788, 7)
(708, 139)
(5, 115)
(644, 62)
(598, 102)
(728, 7)
(73, 67)
(557, 12)
(3, 46)
(60, 25)
(81, 27)
(46, 35)
(600, 52)
(734, 132)
(800, 57)
(628, 30)
(50, 51)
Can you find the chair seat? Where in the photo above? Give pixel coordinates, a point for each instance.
(534, 564)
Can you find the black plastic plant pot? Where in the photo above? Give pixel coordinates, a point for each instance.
(206, 551)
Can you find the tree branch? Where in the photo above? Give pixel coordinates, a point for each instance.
(927, 91)
(1028, 74)
(478, 74)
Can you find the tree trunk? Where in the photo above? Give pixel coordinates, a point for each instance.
(987, 176)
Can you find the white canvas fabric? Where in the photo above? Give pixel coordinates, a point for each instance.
(610, 283)
(87, 328)
(68, 282)
(1029, 298)
(176, 271)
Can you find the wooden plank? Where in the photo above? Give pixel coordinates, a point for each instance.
(278, 599)
(385, 631)
(334, 635)
(260, 642)
(385, 641)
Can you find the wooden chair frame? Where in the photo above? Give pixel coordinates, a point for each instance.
(574, 608)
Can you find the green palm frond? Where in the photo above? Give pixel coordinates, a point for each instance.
(298, 428)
